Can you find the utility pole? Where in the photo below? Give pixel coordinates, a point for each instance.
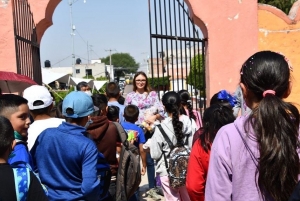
(110, 68)
(71, 2)
(88, 54)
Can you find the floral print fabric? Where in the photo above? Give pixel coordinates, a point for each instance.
(143, 102)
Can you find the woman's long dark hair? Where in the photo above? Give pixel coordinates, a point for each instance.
(214, 118)
(275, 123)
(171, 101)
(185, 99)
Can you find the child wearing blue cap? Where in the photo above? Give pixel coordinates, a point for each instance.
(65, 158)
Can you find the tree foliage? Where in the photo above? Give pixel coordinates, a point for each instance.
(158, 83)
(124, 60)
(196, 75)
(284, 5)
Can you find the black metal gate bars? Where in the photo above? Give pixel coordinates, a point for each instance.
(177, 59)
(26, 43)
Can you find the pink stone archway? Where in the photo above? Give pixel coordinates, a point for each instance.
(230, 26)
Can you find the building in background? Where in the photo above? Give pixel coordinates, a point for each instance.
(93, 70)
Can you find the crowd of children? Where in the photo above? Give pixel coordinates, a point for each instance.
(215, 157)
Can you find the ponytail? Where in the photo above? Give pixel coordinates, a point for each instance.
(171, 101)
(276, 125)
(177, 125)
(190, 109)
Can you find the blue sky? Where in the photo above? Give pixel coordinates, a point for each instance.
(121, 25)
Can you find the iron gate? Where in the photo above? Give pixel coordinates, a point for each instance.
(26, 43)
(177, 59)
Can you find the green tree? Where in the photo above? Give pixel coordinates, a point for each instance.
(284, 5)
(88, 77)
(123, 60)
(101, 78)
(196, 75)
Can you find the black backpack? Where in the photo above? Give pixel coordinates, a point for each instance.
(129, 170)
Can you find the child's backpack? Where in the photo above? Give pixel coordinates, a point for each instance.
(178, 161)
(21, 172)
(129, 171)
(103, 174)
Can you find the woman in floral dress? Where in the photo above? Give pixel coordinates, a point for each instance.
(146, 100)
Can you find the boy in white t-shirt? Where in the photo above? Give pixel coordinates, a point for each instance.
(40, 103)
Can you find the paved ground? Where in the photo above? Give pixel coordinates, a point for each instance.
(144, 189)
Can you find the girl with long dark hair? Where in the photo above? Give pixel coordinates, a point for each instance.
(187, 108)
(255, 158)
(178, 128)
(214, 118)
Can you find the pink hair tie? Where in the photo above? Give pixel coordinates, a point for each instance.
(269, 92)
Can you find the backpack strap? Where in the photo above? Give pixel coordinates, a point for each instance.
(122, 134)
(169, 143)
(22, 182)
(165, 136)
(254, 159)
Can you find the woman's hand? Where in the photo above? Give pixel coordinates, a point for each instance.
(151, 119)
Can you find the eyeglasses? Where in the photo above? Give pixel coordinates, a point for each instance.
(140, 80)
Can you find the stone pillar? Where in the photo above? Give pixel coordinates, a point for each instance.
(7, 41)
(231, 28)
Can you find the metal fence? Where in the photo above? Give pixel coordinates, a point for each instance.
(177, 56)
(26, 43)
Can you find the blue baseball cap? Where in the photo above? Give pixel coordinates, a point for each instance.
(81, 104)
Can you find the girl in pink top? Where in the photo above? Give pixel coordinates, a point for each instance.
(187, 108)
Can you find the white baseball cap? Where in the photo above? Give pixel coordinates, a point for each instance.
(37, 93)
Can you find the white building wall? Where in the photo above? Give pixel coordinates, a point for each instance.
(98, 70)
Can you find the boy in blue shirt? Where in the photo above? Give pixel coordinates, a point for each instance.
(15, 108)
(135, 133)
(65, 158)
(17, 182)
(136, 136)
(113, 94)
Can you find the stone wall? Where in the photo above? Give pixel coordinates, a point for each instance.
(281, 33)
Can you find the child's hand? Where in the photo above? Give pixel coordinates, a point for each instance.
(143, 172)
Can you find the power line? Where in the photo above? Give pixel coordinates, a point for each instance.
(86, 43)
(62, 60)
(80, 36)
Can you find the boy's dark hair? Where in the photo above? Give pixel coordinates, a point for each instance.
(45, 110)
(112, 90)
(80, 85)
(113, 113)
(6, 135)
(100, 100)
(121, 100)
(9, 104)
(131, 113)
(77, 121)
